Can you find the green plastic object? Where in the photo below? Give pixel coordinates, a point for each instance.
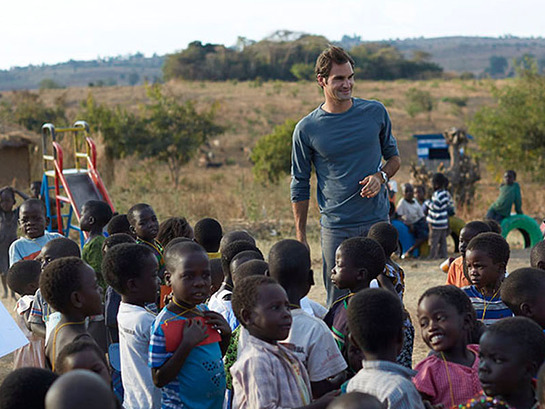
(526, 225)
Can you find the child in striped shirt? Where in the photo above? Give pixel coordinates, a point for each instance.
(440, 207)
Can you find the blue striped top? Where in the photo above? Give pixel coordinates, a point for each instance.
(494, 306)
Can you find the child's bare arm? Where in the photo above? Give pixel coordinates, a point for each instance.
(37, 329)
(194, 333)
(320, 388)
(219, 323)
(23, 196)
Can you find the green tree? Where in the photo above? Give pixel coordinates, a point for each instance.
(497, 65)
(48, 83)
(303, 72)
(511, 134)
(418, 101)
(271, 155)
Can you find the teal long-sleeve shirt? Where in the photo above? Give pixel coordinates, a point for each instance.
(509, 195)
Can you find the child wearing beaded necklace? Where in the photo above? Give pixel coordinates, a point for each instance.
(189, 370)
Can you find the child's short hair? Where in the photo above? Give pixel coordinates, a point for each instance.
(172, 228)
(492, 244)
(233, 236)
(527, 335)
(59, 280)
(524, 285)
(355, 400)
(537, 254)
(26, 388)
(386, 235)
(74, 348)
(118, 224)
(245, 294)
(123, 262)
(35, 202)
(439, 180)
(174, 241)
(513, 173)
(375, 319)
(289, 263)
(136, 208)
(208, 233)
(495, 227)
(453, 296)
(21, 274)
(477, 226)
(63, 247)
(172, 255)
(231, 251)
(101, 211)
(216, 272)
(250, 268)
(362, 252)
(116, 239)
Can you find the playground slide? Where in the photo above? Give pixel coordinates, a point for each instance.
(81, 187)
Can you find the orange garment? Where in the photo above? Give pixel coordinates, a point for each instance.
(456, 273)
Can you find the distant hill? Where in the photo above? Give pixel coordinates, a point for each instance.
(454, 54)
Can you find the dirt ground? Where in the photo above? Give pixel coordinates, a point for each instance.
(419, 274)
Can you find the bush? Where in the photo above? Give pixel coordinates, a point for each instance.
(458, 101)
(48, 83)
(272, 154)
(418, 101)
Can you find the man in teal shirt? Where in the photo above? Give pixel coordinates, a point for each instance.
(509, 195)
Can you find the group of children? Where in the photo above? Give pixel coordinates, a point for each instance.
(163, 315)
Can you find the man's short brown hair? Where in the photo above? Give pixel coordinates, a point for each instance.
(330, 55)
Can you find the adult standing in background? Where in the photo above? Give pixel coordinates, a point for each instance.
(345, 138)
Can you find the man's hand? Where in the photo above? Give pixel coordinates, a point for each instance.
(371, 185)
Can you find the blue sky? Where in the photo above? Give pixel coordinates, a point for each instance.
(37, 31)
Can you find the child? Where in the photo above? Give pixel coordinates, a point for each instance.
(393, 279)
(208, 233)
(95, 215)
(145, 227)
(457, 272)
(172, 228)
(8, 229)
(131, 270)
(83, 354)
(32, 220)
(309, 337)
(449, 375)
(80, 389)
(537, 255)
(440, 207)
(522, 291)
(190, 372)
(26, 388)
(540, 392)
(235, 235)
(119, 224)
(23, 278)
(250, 268)
(375, 318)
(244, 257)
(355, 400)
(358, 261)
(42, 318)
(509, 195)
(70, 287)
(486, 257)
(511, 352)
(267, 374)
(411, 213)
(217, 276)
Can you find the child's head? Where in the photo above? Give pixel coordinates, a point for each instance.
(24, 277)
(69, 285)
(358, 261)
(355, 400)
(131, 270)
(176, 240)
(208, 233)
(408, 192)
(420, 193)
(244, 257)
(32, 218)
(375, 320)
(386, 235)
(116, 239)
(119, 224)
(289, 264)
(439, 181)
(95, 214)
(58, 248)
(216, 275)
(143, 221)
(487, 255)
(231, 250)
(495, 227)
(7, 199)
(522, 291)
(250, 268)
(262, 306)
(188, 272)
(233, 236)
(445, 315)
(83, 354)
(26, 388)
(80, 389)
(172, 228)
(511, 352)
(509, 177)
(469, 231)
(35, 189)
(537, 255)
